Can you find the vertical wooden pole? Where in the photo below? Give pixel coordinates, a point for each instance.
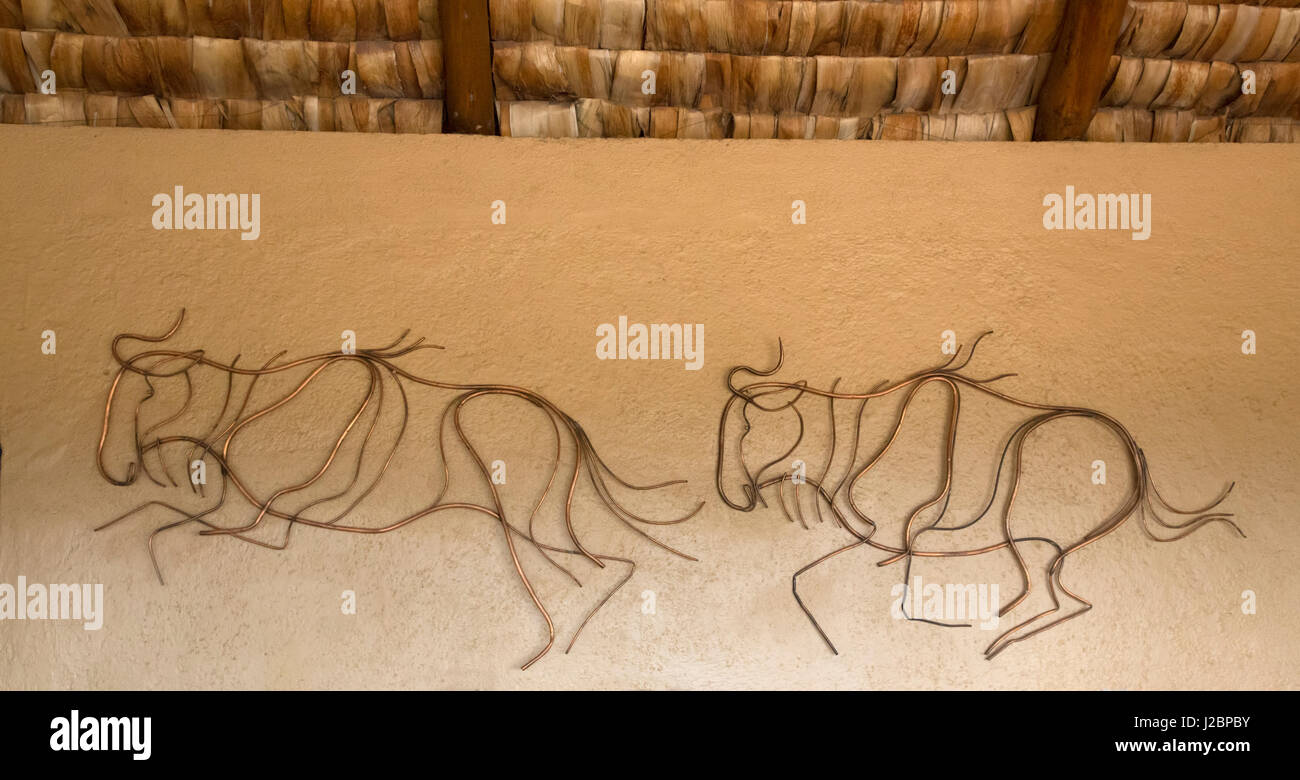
(1076, 76)
(468, 95)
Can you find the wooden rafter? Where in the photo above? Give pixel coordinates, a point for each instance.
(467, 67)
(1076, 76)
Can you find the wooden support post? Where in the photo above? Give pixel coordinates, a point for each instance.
(468, 95)
(1077, 74)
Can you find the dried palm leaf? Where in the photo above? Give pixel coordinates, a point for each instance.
(677, 25)
(15, 72)
(200, 114)
(622, 24)
(418, 116)
(629, 67)
(1222, 85)
(1021, 122)
(996, 82)
(176, 67)
(219, 69)
(918, 83)
(65, 61)
(1183, 87)
(280, 69)
(402, 20)
(333, 20)
(377, 69)
(998, 27)
(1172, 126)
(1152, 28)
(64, 108)
(1040, 32)
(1197, 26)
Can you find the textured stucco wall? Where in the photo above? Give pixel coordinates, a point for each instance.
(903, 241)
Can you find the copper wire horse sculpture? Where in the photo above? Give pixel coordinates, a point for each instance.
(385, 376)
(1144, 499)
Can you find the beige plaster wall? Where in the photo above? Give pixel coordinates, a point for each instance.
(377, 234)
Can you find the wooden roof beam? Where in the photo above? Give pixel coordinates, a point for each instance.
(1076, 76)
(468, 94)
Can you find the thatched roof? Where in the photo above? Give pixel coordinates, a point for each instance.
(722, 68)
